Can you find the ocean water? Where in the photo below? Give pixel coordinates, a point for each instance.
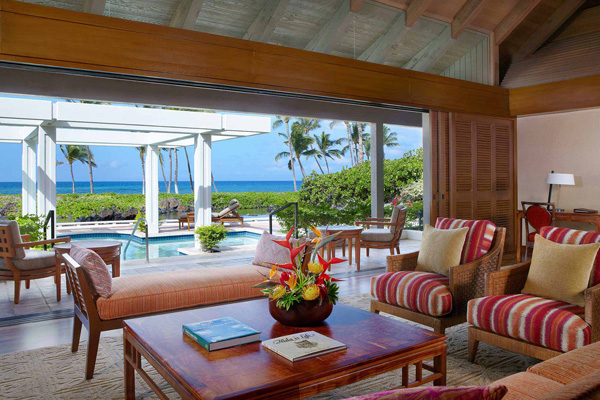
(136, 187)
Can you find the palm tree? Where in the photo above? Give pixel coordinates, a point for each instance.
(306, 125)
(74, 153)
(389, 138)
(176, 171)
(348, 139)
(91, 164)
(281, 121)
(301, 146)
(187, 157)
(142, 151)
(162, 168)
(361, 150)
(325, 146)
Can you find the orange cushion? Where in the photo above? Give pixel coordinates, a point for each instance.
(527, 386)
(164, 291)
(570, 366)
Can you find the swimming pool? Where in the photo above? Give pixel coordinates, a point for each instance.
(165, 246)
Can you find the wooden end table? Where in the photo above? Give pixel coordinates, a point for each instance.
(108, 250)
(347, 234)
(376, 345)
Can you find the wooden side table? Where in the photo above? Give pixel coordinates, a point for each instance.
(347, 233)
(108, 250)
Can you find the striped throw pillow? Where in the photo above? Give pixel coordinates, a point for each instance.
(479, 237)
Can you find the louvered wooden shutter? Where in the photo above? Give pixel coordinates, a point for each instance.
(440, 141)
(482, 171)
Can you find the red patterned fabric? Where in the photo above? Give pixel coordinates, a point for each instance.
(479, 238)
(549, 323)
(493, 392)
(573, 236)
(95, 269)
(424, 292)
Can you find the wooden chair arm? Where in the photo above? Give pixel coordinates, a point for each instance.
(592, 310)
(25, 238)
(508, 280)
(43, 242)
(402, 262)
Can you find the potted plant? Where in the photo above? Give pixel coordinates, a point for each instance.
(299, 297)
(210, 236)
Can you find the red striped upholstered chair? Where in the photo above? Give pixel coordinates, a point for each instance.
(539, 327)
(440, 301)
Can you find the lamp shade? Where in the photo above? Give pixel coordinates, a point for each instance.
(560, 179)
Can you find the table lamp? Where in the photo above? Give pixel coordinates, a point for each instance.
(558, 179)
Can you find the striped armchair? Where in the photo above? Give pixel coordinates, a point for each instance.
(535, 326)
(435, 300)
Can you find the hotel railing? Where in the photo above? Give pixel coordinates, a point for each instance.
(131, 237)
(295, 204)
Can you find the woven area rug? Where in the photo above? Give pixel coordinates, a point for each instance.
(56, 373)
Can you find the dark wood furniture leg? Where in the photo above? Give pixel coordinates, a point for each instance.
(357, 250)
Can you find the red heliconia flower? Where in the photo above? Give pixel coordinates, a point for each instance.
(327, 264)
(285, 277)
(293, 251)
(322, 290)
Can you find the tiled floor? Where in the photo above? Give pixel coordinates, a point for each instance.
(17, 333)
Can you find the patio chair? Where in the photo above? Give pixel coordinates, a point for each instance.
(436, 300)
(20, 263)
(386, 233)
(186, 218)
(229, 214)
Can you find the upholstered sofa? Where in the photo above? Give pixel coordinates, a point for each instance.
(573, 375)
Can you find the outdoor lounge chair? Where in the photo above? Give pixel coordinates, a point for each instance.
(18, 262)
(229, 213)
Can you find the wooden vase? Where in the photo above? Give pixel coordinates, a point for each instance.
(305, 313)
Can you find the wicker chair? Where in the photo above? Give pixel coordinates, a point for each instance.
(466, 281)
(19, 263)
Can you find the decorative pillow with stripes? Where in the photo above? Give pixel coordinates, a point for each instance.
(479, 237)
(573, 236)
(95, 270)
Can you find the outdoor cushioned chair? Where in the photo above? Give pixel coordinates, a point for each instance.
(186, 218)
(386, 233)
(538, 327)
(435, 300)
(229, 213)
(20, 263)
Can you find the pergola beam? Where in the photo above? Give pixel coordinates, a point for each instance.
(186, 14)
(415, 10)
(430, 54)
(465, 15)
(543, 33)
(508, 24)
(263, 26)
(382, 47)
(94, 6)
(323, 40)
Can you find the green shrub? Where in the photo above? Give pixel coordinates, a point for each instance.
(210, 236)
(142, 226)
(32, 225)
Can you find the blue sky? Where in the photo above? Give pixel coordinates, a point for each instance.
(242, 159)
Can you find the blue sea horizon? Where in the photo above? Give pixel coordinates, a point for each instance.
(135, 187)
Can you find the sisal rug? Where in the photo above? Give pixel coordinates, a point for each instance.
(56, 373)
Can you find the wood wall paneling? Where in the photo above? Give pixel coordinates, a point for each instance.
(35, 34)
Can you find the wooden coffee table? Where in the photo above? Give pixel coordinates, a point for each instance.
(376, 345)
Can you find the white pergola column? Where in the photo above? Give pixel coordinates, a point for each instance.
(46, 170)
(202, 170)
(28, 172)
(152, 188)
(377, 170)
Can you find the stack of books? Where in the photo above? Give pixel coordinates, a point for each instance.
(221, 333)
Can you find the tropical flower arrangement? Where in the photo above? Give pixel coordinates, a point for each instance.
(295, 285)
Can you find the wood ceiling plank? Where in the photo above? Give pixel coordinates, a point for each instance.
(263, 26)
(94, 6)
(465, 15)
(543, 33)
(186, 14)
(415, 10)
(513, 19)
(381, 48)
(430, 54)
(322, 41)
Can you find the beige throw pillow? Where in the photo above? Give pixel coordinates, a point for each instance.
(440, 249)
(560, 271)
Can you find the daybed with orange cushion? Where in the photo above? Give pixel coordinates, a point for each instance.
(574, 375)
(102, 303)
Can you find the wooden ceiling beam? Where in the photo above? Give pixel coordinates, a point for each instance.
(263, 26)
(430, 54)
(513, 19)
(94, 6)
(322, 41)
(382, 47)
(415, 10)
(186, 14)
(356, 5)
(551, 25)
(465, 15)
